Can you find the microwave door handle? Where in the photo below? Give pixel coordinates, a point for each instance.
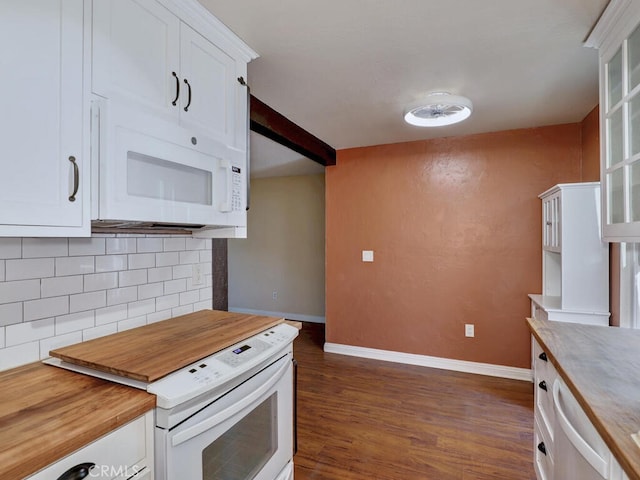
(229, 412)
(242, 82)
(588, 453)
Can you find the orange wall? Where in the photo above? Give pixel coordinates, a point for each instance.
(591, 146)
(456, 230)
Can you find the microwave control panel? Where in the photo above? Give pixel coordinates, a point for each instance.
(236, 189)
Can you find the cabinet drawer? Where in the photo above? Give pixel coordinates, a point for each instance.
(124, 453)
(542, 456)
(544, 376)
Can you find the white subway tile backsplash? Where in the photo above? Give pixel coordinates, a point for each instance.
(10, 248)
(29, 332)
(150, 290)
(195, 243)
(74, 322)
(29, 268)
(158, 316)
(111, 314)
(182, 271)
(87, 301)
(205, 256)
(100, 281)
(132, 277)
(176, 312)
(19, 355)
(160, 274)
(206, 293)
(142, 260)
(175, 286)
(141, 307)
(167, 259)
(167, 302)
(101, 331)
(58, 341)
(121, 245)
(74, 265)
(189, 297)
(174, 244)
(10, 313)
(132, 323)
(56, 286)
(205, 305)
(122, 295)
(59, 291)
(149, 245)
(87, 246)
(189, 257)
(45, 247)
(46, 307)
(111, 263)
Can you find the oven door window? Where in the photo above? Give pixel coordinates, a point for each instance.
(243, 450)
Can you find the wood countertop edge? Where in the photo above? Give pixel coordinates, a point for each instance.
(620, 452)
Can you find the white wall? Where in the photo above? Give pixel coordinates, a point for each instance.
(59, 291)
(284, 252)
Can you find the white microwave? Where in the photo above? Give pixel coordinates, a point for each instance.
(149, 172)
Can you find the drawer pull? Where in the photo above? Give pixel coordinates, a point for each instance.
(78, 472)
(542, 448)
(543, 357)
(543, 385)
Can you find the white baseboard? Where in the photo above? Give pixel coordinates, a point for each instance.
(289, 316)
(514, 373)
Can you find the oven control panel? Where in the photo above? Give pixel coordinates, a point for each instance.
(222, 368)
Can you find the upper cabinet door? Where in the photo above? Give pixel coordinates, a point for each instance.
(617, 36)
(44, 182)
(136, 48)
(209, 78)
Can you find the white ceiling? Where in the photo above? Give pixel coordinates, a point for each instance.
(345, 69)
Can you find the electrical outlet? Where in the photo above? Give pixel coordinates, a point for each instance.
(274, 295)
(469, 330)
(197, 278)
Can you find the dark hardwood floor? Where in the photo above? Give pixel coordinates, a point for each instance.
(361, 419)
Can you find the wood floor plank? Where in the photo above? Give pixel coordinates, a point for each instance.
(362, 419)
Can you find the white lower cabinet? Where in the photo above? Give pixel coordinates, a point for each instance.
(126, 453)
(566, 444)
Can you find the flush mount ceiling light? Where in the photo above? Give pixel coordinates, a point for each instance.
(439, 109)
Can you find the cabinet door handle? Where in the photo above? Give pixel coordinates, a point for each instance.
(542, 448)
(76, 178)
(543, 356)
(175, 100)
(186, 109)
(78, 472)
(543, 385)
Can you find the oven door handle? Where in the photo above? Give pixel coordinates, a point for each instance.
(229, 412)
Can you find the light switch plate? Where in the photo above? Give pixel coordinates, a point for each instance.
(367, 255)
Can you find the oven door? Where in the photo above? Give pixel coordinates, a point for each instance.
(246, 434)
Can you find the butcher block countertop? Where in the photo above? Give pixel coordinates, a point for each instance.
(153, 351)
(601, 366)
(47, 412)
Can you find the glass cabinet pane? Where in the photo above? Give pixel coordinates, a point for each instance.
(633, 58)
(614, 80)
(635, 191)
(634, 124)
(615, 194)
(615, 139)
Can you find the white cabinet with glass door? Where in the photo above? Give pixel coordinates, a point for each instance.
(617, 36)
(147, 58)
(45, 175)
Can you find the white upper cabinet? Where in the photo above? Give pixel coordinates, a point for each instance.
(45, 176)
(145, 57)
(617, 37)
(136, 48)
